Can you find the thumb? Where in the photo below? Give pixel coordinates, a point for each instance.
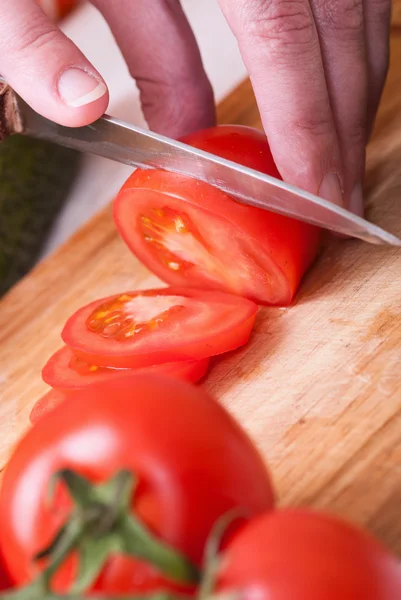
(46, 69)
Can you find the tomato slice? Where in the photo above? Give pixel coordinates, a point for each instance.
(138, 329)
(66, 371)
(191, 234)
(46, 404)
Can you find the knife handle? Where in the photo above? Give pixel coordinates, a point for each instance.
(10, 116)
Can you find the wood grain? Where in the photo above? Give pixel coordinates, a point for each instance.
(318, 387)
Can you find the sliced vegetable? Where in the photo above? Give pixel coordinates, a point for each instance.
(138, 329)
(191, 234)
(192, 462)
(65, 371)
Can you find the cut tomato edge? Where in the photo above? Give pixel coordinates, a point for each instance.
(285, 298)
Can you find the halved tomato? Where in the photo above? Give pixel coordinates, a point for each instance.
(65, 371)
(191, 234)
(137, 329)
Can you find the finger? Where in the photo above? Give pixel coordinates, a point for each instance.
(340, 27)
(377, 37)
(163, 57)
(46, 68)
(280, 47)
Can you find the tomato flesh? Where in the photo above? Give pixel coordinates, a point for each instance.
(189, 233)
(167, 238)
(137, 329)
(193, 461)
(301, 555)
(65, 371)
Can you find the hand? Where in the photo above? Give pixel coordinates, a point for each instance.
(318, 68)
(54, 77)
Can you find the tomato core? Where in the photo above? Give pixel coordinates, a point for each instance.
(173, 239)
(128, 315)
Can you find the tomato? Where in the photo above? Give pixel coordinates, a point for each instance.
(46, 404)
(302, 555)
(193, 461)
(191, 234)
(137, 329)
(65, 371)
(66, 6)
(57, 9)
(5, 582)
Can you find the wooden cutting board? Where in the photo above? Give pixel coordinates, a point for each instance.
(318, 387)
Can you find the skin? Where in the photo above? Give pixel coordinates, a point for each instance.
(317, 66)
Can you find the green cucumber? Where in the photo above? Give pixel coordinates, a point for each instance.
(35, 180)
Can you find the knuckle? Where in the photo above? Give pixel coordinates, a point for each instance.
(313, 124)
(35, 36)
(284, 25)
(177, 105)
(357, 133)
(344, 17)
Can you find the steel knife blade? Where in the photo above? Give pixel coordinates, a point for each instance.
(125, 143)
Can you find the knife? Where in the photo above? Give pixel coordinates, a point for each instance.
(125, 143)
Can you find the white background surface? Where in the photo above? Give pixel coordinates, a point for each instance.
(100, 179)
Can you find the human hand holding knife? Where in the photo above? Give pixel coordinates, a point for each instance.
(128, 144)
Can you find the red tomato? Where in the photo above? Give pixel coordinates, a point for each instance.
(193, 461)
(5, 582)
(57, 9)
(137, 329)
(191, 234)
(46, 404)
(65, 371)
(301, 555)
(66, 6)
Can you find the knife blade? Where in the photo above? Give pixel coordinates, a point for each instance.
(125, 143)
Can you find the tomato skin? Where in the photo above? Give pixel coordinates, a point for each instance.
(225, 323)
(284, 247)
(5, 581)
(241, 144)
(302, 555)
(59, 374)
(67, 6)
(46, 404)
(193, 461)
(58, 9)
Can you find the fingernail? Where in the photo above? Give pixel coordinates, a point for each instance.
(330, 189)
(356, 200)
(77, 88)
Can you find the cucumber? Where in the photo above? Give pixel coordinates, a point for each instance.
(35, 179)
